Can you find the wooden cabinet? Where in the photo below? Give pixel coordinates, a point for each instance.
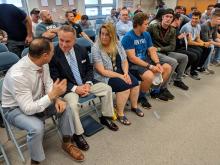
(200, 4)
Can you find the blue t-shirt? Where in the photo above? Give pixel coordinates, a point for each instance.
(139, 43)
(12, 20)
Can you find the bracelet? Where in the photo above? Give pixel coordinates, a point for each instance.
(148, 66)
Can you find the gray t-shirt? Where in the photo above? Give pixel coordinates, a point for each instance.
(208, 32)
(123, 28)
(43, 27)
(188, 28)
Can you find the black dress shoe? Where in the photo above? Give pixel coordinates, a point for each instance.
(80, 142)
(107, 122)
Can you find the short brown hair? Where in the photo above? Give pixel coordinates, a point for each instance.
(197, 13)
(68, 28)
(139, 19)
(67, 12)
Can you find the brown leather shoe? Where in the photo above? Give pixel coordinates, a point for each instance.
(74, 152)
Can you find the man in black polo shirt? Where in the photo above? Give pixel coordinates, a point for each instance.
(18, 27)
(69, 21)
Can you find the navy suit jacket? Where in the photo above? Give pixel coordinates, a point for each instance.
(59, 66)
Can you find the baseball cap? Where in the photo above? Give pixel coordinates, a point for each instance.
(35, 11)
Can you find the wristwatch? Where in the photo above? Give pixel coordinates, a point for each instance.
(158, 49)
(151, 67)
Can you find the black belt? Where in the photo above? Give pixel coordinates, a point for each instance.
(9, 109)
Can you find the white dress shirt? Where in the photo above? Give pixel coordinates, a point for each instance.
(22, 87)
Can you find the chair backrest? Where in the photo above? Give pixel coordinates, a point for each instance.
(83, 42)
(3, 48)
(99, 21)
(90, 32)
(7, 59)
(24, 52)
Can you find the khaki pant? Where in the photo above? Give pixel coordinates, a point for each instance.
(99, 89)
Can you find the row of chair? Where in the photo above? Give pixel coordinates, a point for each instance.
(7, 59)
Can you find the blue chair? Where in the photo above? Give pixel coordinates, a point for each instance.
(7, 59)
(84, 43)
(3, 48)
(90, 125)
(99, 21)
(91, 33)
(25, 52)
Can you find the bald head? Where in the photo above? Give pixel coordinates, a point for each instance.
(39, 46)
(46, 16)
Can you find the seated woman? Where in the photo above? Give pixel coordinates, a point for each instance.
(111, 67)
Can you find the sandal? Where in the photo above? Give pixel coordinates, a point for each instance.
(124, 120)
(138, 112)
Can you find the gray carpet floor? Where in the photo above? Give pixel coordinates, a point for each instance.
(187, 133)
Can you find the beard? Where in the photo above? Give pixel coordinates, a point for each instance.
(49, 21)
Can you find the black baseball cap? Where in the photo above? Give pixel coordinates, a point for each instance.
(35, 11)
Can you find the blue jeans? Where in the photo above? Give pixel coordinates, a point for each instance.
(35, 127)
(216, 57)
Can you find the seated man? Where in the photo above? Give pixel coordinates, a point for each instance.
(164, 39)
(85, 23)
(29, 96)
(34, 14)
(124, 24)
(72, 62)
(209, 34)
(47, 28)
(144, 62)
(193, 59)
(79, 33)
(112, 17)
(195, 43)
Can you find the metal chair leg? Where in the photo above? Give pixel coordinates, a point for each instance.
(4, 155)
(96, 110)
(14, 141)
(57, 127)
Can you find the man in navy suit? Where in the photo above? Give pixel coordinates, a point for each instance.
(71, 62)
